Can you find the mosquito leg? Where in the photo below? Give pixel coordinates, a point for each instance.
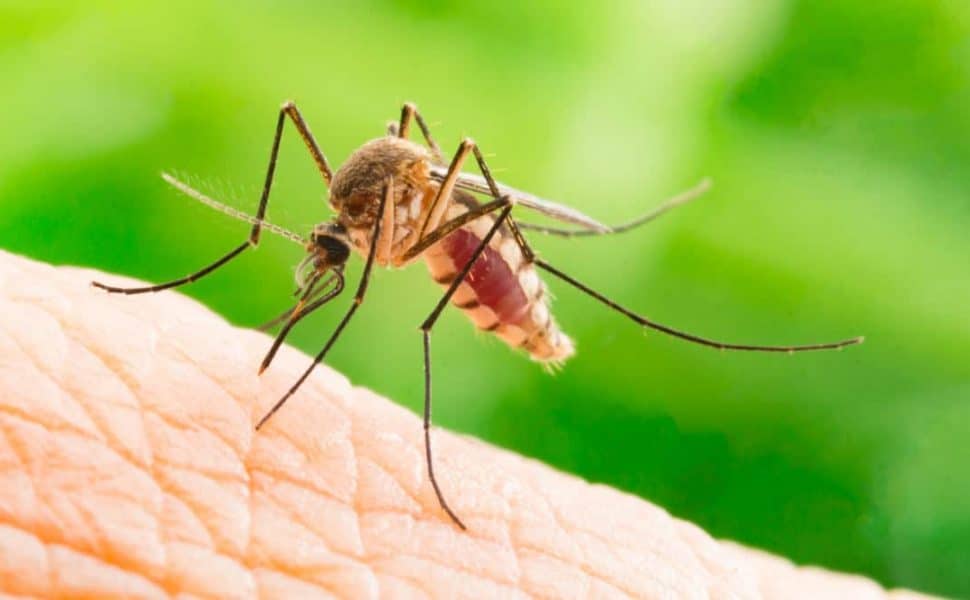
(679, 199)
(426, 328)
(530, 256)
(442, 198)
(643, 321)
(296, 316)
(527, 253)
(181, 281)
(358, 299)
(288, 109)
(410, 111)
(499, 201)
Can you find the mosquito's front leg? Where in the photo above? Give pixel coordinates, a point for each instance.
(386, 204)
(287, 110)
(426, 328)
(439, 206)
(530, 256)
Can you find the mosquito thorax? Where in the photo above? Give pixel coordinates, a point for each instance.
(355, 192)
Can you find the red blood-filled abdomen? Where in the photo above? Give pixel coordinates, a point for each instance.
(495, 284)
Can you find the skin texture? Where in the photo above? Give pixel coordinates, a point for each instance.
(129, 467)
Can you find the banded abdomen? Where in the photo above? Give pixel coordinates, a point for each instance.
(502, 293)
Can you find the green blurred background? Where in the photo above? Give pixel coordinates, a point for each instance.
(837, 133)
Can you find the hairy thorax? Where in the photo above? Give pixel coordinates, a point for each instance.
(358, 185)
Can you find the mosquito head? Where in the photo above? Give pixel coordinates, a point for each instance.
(329, 246)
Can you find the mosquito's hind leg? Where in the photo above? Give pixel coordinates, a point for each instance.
(439, 206)
(527, 253)
(645, 322)
(287, 110)
(530, 256)
(410, 111)
(426, 328)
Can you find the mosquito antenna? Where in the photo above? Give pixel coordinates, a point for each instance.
(689, 336)
(681, 198)
(232, 212)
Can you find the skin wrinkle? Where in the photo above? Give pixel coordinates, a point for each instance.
(66, 430)
(39, 496)
(355, 502)
(161, 541)
(267, 470)
(305, 523)
(381, 471)
(584, 564)
(294, 446)
(64, 425)
(301, 521)
(56, 533)
(455, 568)
(177, 472)
(431, 544)
(344, 572)
(33, 495)
(62, 577)
(468, 579)
(239, 451)
(147, 459)
(306, 589)
(27, 544)
(186, 420)
(211, 530)
(50, 544)
(519, 547)
(120, 375)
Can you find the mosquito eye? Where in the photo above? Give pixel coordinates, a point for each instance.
(355, 205)
(336, 250)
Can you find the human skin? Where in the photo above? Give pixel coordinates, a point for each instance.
(129, 467)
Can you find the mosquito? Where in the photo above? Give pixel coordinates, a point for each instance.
(397, 201)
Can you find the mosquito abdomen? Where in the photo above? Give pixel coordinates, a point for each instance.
(502, 292)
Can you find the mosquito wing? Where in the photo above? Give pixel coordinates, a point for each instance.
(477, 183)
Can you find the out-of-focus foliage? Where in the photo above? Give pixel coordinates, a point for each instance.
(838, 137)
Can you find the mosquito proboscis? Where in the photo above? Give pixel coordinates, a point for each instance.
(397, 201)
